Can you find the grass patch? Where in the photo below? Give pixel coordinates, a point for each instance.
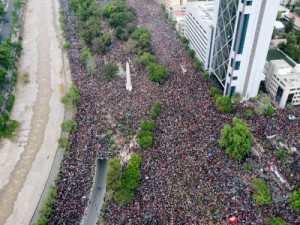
(273, 54)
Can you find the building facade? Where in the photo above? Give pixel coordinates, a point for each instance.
(283, 83)
(243, 30)
(199, 29)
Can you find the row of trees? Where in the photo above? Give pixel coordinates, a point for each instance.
(9, 55)
(123, 184)
(292, 47)
(121, 17)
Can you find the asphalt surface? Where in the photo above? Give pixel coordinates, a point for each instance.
(97, 197)
(6, 24)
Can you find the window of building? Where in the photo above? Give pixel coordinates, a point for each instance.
(237, 65)
(244, 31)
(248, 2)
(234, 78)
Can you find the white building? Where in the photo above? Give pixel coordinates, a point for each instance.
(283, 83)
(199, 29)
(243, 30)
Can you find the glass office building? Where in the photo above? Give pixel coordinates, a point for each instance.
(227, 15)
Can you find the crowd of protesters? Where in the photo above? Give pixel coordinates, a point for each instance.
(186, 177)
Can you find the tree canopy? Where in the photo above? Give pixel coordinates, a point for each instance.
(236, 140)
(294, 201)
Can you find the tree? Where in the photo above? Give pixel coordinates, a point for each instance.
(72, 97)
(236, 97)
(2, 10)
(3, 78)
(198, 65)
(114, 173)
(184, 40)
(69, 126)
(236, 140)
(248, 113)
(123, 196)
(145, 135)
(63, 142)
(289, 26)
(270, 110)
(86, 53)
(110, 71)
(294, 201)
(155, 108)
(192, 53)
(224, 104)
(91, 65)
(276, 221)
(261, 195)
(157, 73)
(260, 109)
(146, 59)
(132, 173)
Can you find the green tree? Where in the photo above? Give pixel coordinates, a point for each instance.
(155, 108)
(294, 201)
(123, 196)
(147, 125)
(184, 40)
(260, 109)
(110, 71)
(114, 174)
(223, 103)
(146, 59)
(132, 173)
(72, 97)
(248, 113)
(270, 110)
(2, 10)
(261, 195)
(3, 78)
(63, 142)
(289, 26)
(192, 53)
(69, 126)
(91, 65)
(276, 221)
(198, 65)
(86, 53)
(236, 140)
(236, 97)
(157, 73)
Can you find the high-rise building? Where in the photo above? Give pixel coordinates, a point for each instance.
(199, 28)
(243, 30)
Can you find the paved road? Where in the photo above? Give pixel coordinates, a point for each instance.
(5, 28)
(96, 200)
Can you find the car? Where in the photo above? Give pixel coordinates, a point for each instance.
(291, 117)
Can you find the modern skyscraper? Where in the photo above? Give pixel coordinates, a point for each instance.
(243, 30)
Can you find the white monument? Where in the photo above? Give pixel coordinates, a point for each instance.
(128, 78)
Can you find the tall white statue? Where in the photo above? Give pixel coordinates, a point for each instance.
(128, 78)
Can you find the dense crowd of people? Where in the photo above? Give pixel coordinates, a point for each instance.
(186, 177)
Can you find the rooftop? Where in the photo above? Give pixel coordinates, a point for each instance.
(287, 74)
(205, 10)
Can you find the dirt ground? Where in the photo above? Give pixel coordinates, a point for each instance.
(25, 162)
